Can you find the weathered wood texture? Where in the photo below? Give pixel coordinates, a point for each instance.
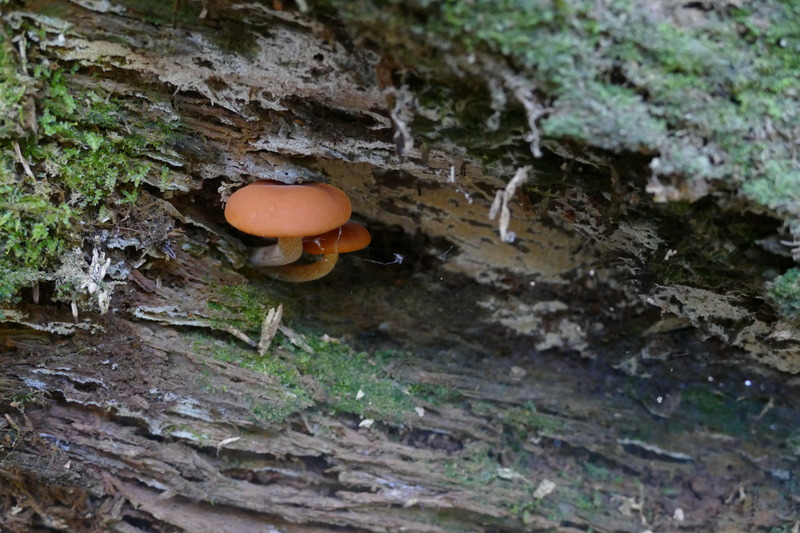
(137, 441)
(139, 420)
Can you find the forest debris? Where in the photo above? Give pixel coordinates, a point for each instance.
(295, 338)
(737, 496)
(652, 448)
(524, 92)
(410, 503)
(501, 201)
(22, 160)
(401, 115)
(79, 275)
(223, 442)
(509, 474)
(269, 328)
(168, 494)
(58, 328)
(675, 191)
(533, 111)
(172, 316)
(545, 487)
(517, 373)
(141, 280)
(627, 505)
(770, 404)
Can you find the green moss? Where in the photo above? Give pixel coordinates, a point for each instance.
(715, 101)
(784, 294)
(282, 396)
(793, 442)
(729, 409)
(596, 472)
(553, 38)
(65, 163)
(343, 373)
(610, 117)
(788, 528)
(584, 502)
(525, 418)
(433, 394)
(333, 377)
(89, 161)
(478, 470)
(31, 227)
(242, 306)
(15, 93)
(739, 417)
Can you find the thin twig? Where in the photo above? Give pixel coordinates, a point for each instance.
(22, 160)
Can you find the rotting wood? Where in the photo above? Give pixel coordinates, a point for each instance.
(322, 470)
(124, 428)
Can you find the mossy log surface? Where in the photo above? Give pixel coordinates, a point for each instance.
(142, 432)
(612, 365)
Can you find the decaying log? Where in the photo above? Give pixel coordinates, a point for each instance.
(539, 385)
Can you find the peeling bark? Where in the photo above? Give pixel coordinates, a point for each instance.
(539, 389)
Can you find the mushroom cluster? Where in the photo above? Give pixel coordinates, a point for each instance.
(309, 217)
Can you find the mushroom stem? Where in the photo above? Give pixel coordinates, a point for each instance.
(286, 250)
(301, 273)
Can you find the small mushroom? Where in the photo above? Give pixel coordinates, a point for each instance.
(287, 213)
(347, 238)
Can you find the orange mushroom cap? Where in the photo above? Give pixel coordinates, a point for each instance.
(346, 238)
(274, 209)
